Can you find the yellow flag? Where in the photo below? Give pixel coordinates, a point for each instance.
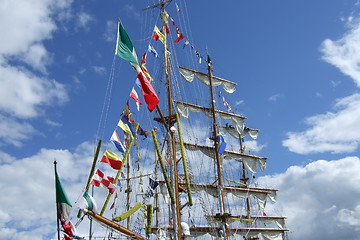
(159, 34)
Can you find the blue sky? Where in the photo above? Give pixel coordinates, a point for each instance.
(296, 64)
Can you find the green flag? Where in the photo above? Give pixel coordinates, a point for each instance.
(62, 202)
(124, 47)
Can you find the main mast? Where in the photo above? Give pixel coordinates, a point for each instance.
(176, 212)
(217, 155)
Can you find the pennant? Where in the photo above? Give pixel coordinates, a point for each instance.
(186, 43)
(221, 144)
(179, 34)
(90, 203)
(226, 104)
(115, 200)
(124, 47)
(152, 50)
(112, 159)
(142, 132)
(177, 7)
(115, 139)
(148, 92)
(100, 180)
(153, 184)
(198, 54)
(158, 35)
(125, 125)
(135, 96)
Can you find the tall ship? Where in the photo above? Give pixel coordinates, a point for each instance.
(179, 163)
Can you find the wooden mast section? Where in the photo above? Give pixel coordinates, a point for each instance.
(217, 155)
(168, 123)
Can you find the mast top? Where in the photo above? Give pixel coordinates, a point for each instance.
(163, 3)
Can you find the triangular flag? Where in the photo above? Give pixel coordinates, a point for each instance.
(124, 47)
(126, 125)
(179, 34)
(135, 96)
(112, 159)
(152, 50)
(115, 139)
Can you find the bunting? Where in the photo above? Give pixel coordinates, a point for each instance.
(148, 92)
(158, 35)
(152, 50)
(112, 159)
(115, 139)
(100, 180)
(180, 36)
(135, 96)
(126, 125)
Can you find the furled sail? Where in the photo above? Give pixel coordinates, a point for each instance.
(251, 162)
(189, 75)
(183, 108)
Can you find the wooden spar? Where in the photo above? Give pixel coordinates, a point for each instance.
(183, 156)
(245, 180)
(231, 229)
(119, 171)
(230, 152)
(128, 190)
(209, 109)
(163, 168)
(113, 225)
(93, 166)
(96, 155)
(217, 155)
(176, 205)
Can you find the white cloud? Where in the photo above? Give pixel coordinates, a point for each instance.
(83, 20)
(330, 132)
(28, 210)
(22, 92)
(336, 131)
(274, 97)
(110, 34)
(14, 132)
(345, 52)
(99, 70)
(321, 199)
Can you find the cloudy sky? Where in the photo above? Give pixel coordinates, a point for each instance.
(297, 65)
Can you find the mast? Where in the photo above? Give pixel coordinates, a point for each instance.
(217, 155)
(174, 171)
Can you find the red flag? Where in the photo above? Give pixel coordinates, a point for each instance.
(112, 159)
(179, 34)
(148, 91)
(155, 36)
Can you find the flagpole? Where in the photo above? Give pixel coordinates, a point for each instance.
(57, 208)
